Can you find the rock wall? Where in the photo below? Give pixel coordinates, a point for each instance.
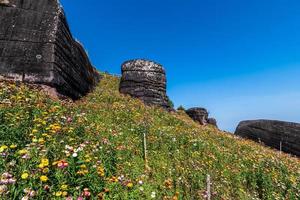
(145, 80)
(201, 115)
(36, 46)
(272, 133)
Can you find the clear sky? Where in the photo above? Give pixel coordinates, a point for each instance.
(240, 59)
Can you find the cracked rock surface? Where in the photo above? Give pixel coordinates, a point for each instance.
(272, 133)
(145, 80)
(36, 46)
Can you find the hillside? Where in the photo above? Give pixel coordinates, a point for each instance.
(93, 149)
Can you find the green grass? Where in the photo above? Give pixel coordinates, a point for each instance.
(106, 130)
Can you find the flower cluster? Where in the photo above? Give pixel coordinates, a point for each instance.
(95, 149)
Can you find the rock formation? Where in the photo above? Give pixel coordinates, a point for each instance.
(201, 115)
(212, 121)
(276, 134)
(36, 46)
(145, 80)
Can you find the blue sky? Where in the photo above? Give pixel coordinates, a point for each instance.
(239, 59)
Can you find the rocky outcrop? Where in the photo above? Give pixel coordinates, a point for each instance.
(276, 134)
(201, 115)
(36, 46)
(145, 80)
(212, 121)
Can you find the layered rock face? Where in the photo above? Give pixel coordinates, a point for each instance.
(272, 133)
(145, 80)
(36, 46)
(201, 115)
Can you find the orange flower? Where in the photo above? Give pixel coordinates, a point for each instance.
(168, 183)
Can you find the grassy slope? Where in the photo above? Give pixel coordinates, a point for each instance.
(109, 128)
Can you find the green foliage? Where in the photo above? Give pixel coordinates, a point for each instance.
(94, 148)
(170, 103)
(181, 108)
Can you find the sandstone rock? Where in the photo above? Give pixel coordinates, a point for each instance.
(36, 46)
(201, 115)
(145, 80)
(272, 133)
(198, 114)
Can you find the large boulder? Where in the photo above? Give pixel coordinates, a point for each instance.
(200, 115)
(145, 80)
(276, 134)
(36, 46)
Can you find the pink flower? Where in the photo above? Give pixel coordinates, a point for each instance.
(6, 175)
(69, 119)
(62, 164)
(11, 181)
(86, 192)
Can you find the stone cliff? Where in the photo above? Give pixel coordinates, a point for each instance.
(36, 46)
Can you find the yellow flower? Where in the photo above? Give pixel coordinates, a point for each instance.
(83, 166)
(23, 151)
(64, 187)
(129, 185)
(34, 131)
(100, 171)
(41, 141)
(44, 163)
(45, 170)
(58, 194)
(41, 166)
(13, 146)
(24, 176)
(82, 172)
(3, 147)
(44, 178)
(64, 194)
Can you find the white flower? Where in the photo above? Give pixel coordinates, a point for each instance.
(12, 163)
(74, 155)
(140, 182)
(153, 195)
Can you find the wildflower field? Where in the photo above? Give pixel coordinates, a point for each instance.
(95, 149)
